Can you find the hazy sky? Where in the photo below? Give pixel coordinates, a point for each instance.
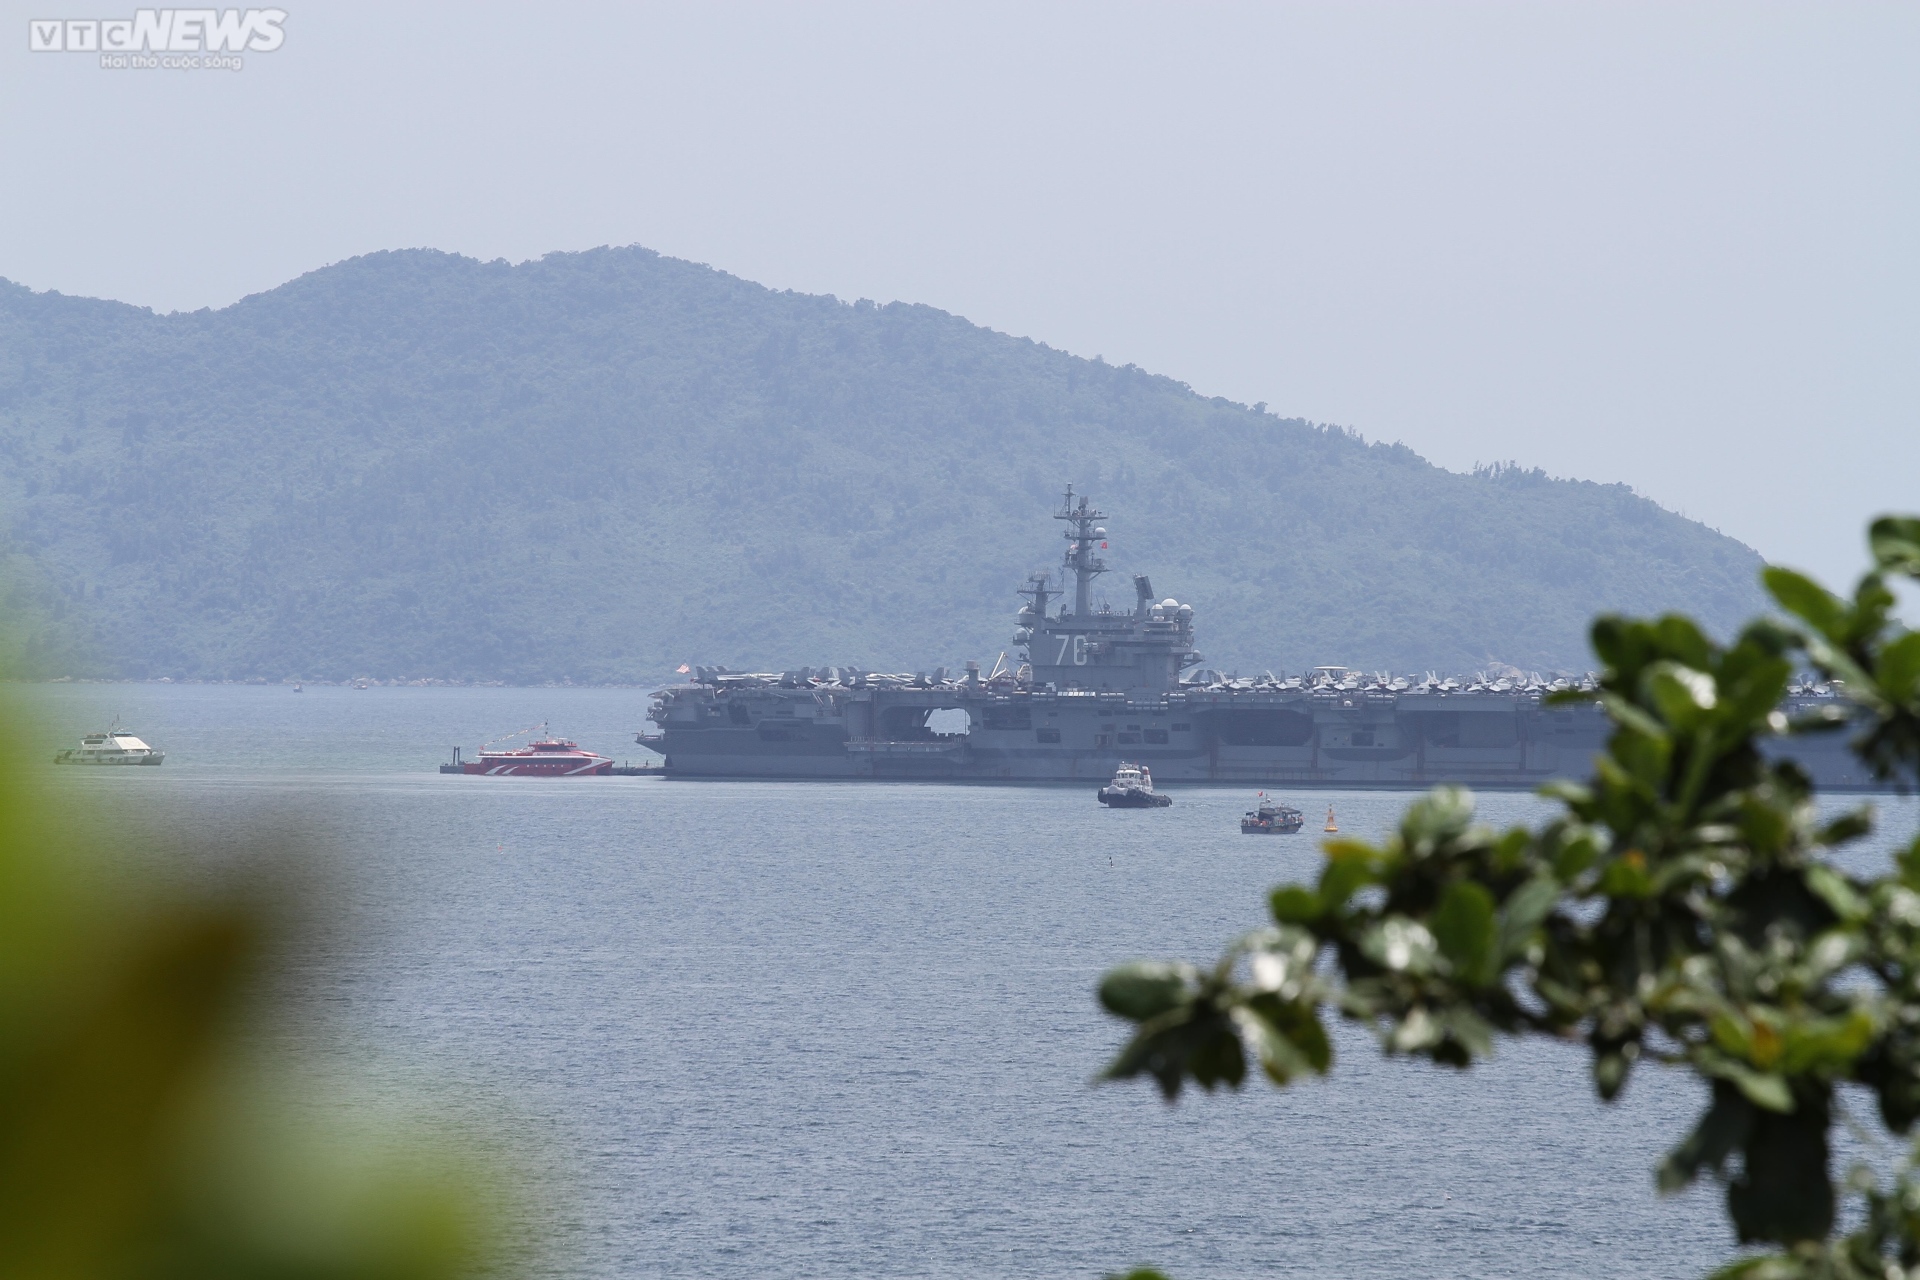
(1676, 245)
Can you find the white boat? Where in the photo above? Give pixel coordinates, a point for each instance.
(114, 746)
(1132, 788)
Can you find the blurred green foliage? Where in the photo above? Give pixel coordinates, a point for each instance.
(600, 465)
(1684, 908)
(145, 1134)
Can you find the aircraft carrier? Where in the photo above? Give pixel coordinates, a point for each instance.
(1090, 687)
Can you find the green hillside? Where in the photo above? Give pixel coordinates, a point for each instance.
(599, 465)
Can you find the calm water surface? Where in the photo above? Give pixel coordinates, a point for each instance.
(841, 1029)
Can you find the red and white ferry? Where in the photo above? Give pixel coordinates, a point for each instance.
(545, 757)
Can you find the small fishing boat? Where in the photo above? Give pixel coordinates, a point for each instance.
(1132, 788)
(1270, 817)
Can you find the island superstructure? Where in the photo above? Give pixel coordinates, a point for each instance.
(1091, 687)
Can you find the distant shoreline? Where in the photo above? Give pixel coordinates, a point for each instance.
(368, 682)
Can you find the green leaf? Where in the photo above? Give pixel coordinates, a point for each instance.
(1610, 1074)
(1682, 694)
(1285, 1037)
(1510, 850)
(1350, 865)
(1280, 961)
(1469, 1030)
(1441, 815)
(1834, 889)
(1566, 791)
(1769, 636)
(1669, 872)
(1300, 1023)
(1523, 912)
(1144, 1053)
(1218, 1058)
(1850, 825)
(1764, 1089)
(1681, 639)
(1808, 600)
(1908, 860)
(1897, 902)
(1754, 692)
(1581, 848)
(1631, 718)
(1873, 603)
(1643, 757)
(1721, 1130)
(1294, 904)
(1146, 989)
(1841, 666)
(1614, 640)
(1463, 925)
(1826, 1044)
(1627, 876)
(1417, 1032)
(1784, 1192)
(1899, 668)
(1275, 1053)
(1895, 542)
(1400, 944)
(1191, 1040)
(1772, 1266)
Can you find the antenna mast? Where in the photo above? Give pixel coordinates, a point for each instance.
(1083, 534)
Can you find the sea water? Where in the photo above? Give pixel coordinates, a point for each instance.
(826, 1029)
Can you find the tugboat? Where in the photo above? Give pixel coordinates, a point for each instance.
(114, 746)
(1132, 788)
(1272, 818)
(545, 757)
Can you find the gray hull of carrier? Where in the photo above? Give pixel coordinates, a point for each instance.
(1092, 687)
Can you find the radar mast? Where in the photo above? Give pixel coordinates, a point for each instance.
(1083, 532)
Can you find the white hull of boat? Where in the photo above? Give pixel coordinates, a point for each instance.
(74, 757)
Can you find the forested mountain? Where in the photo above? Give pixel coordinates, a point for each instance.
(598, 465)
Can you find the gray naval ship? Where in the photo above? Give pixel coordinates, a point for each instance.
(1092, 687)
